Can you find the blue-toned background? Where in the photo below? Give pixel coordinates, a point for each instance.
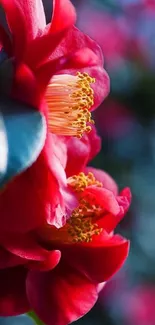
(126, 121)
(125, 29)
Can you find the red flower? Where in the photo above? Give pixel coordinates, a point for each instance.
(81, 151)
(45, 61)
(63, 267)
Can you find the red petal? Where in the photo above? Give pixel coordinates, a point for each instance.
(9, 260)
(124, 200)
(29, 194)
(78, 153)
(64, 201)
(81, 151)
(24, 246)
(98, 260)
(105, 198)
(63, 15)
(76, 40)
(28, 204)
(26, 20)
(41, 48)
(79, 59)
(34, 16)
(13, 300)
(103, 177)
(25, 249)
(61, 296)
(110, 221)
(53, 258)
(25, 87)
(29, 198)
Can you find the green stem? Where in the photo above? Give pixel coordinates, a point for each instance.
(36, 320)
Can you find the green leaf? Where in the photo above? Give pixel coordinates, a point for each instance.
(36, 320)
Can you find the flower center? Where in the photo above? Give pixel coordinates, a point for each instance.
(81, 225)
(81, 181)
(69, 99)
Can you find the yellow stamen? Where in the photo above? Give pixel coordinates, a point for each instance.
(81, 181)
(69, 99)
(81, 226)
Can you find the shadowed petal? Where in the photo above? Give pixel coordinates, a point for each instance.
(61, 296)
(8, 259)
(13, 300)
(100, 259)
(103, 177)
(40, 49)
(81, 151)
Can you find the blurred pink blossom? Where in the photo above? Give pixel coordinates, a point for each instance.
(140, 304)
(112, 34)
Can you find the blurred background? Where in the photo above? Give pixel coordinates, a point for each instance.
(125, 30)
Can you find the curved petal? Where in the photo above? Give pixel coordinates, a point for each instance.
(78, 153)
(109, 221)
(9, 260)
(80, 59)
(61, 296)
(34, 18)
(41, 48)
(13, 300)
(24, 246)
(52, 260)
(65, 200)
(63, 15)
(29, 197)
(25, 249)
(31, 24)
(98, 260)
(76, 40)
(124, 200)
(39, 195)
(103, 177)
(25, 86)
(105, 198)
(74, 44)
(81, 151)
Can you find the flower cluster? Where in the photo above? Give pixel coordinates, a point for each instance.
(57, 215)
